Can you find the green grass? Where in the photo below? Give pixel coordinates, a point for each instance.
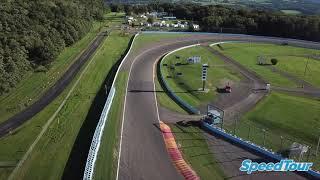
(195, 150)
(297, 119)
(34, 85)
(295, 65)
(187, 85)
(165, 101)
(55, 146)
(106, 164)
(247, 54)
(54, 152)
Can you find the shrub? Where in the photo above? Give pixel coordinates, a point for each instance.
(274, 61)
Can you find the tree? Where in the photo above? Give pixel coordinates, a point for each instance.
(150, 20)
(274, 61)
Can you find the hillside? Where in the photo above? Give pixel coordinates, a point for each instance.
(34, 32)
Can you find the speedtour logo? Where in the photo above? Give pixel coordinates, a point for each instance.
(284, 165)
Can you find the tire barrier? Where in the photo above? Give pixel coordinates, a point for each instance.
(96, 141)
(253, 147)
(190, 109)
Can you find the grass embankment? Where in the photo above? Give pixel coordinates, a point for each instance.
(34, 84)
(188, 86)
(290, 59)
(55, 146)
(296, 119)
(195, 150)
(106, 165)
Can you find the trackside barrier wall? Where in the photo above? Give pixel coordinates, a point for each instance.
(96, 141)
(251, 146)
(95, 144)
(176, 98)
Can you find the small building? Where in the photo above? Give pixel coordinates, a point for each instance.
(196, 26)
(194, 59)
(181, 26)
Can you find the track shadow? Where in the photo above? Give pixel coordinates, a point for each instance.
(76, 163)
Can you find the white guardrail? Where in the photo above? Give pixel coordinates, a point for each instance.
(95, 144)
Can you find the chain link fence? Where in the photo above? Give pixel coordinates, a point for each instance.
(275, 141)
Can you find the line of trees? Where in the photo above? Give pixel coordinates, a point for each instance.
(34, 32)
(249, 21)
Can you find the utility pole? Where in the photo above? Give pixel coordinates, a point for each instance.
(305, 69)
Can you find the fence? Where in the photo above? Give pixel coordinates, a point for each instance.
(171, 93)
(95, 144)
(252, 146)
(276, 142)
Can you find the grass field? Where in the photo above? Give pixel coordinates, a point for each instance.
(188, 85)
(296, 119)
(165, 101)
(54, 147)
(106, 164)
(291, 59)
(34, 85)
(195, 151)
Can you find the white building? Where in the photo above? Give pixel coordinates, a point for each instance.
(194, 59)
(196, 26)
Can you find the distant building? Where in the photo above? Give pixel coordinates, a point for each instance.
(194, 59)
(196, 26)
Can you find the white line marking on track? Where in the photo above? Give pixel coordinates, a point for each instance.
(125, 98)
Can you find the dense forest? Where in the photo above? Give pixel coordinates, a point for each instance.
(303, 6)
(34, 32)
(216, 18)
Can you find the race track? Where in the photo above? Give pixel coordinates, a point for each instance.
(143, 154)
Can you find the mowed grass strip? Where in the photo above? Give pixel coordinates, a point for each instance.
(289, 57)
(34, 84)
(106, 164)
(195, 150)
(165, 101)
(279, 113)
(296, 119)
(301, 67)
(49, 157)
(187, 85)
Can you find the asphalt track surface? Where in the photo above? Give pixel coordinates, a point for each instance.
(25, 115)
(143, 154)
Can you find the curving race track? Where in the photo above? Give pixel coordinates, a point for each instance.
(142, 150)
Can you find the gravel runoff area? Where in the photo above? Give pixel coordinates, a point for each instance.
(143, 154)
